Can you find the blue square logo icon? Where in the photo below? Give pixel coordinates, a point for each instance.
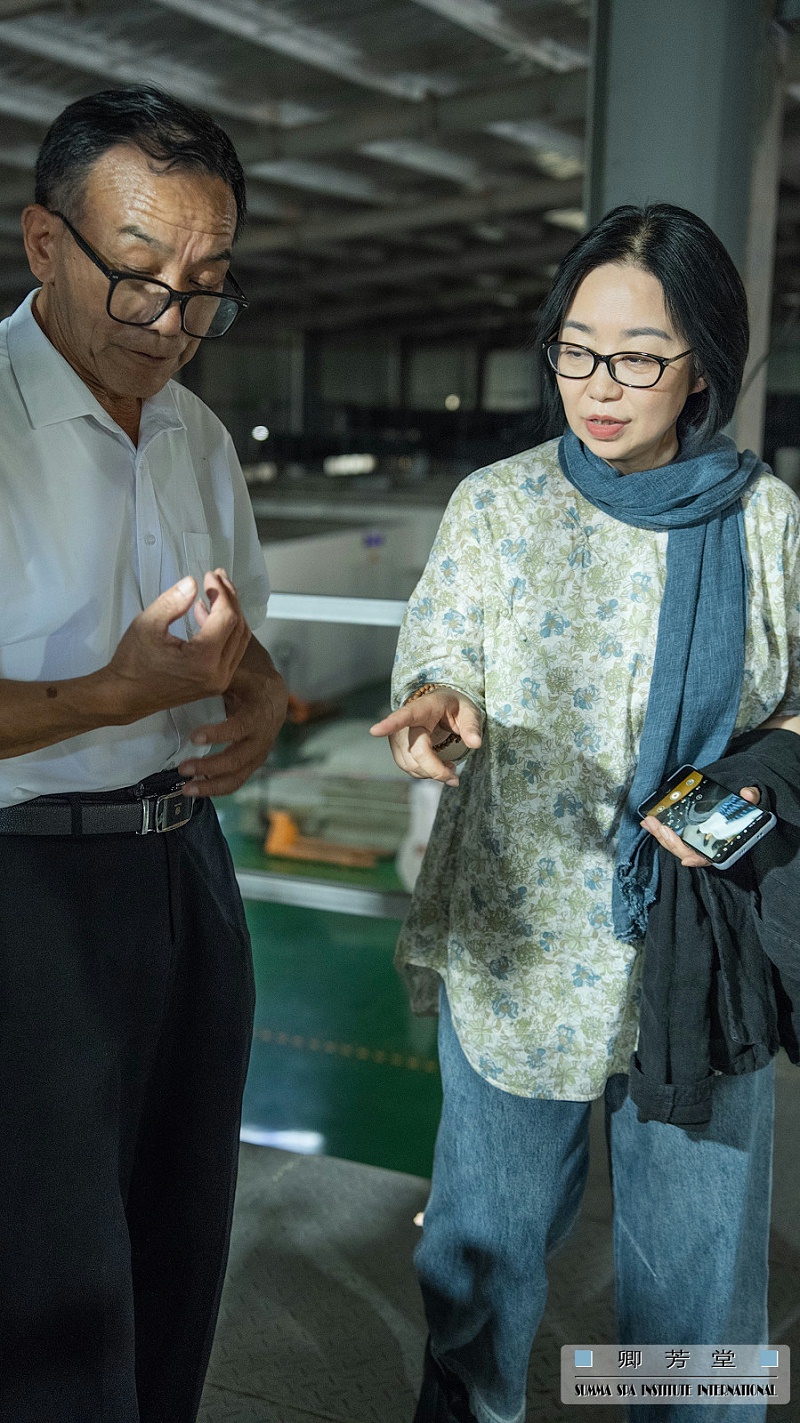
(583, 1358)
(768, 1358)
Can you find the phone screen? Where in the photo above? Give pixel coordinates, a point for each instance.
(718, 823)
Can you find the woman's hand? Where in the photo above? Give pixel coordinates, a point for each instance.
(415, 729)
(678, 847)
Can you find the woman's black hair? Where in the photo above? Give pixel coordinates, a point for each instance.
(703, 293)
(146, 118)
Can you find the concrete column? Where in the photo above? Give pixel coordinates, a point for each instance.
(685, 106)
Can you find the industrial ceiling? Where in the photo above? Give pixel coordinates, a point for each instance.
(413, 164)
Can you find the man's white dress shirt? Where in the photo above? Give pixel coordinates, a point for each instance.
(92, 530)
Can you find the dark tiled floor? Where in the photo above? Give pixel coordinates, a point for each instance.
(321, 1321)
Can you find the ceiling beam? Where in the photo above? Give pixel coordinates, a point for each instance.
(26, 7)
(88, 48)
(92, 50)
(24, 99)
(413, 272)
(485, 18)
(551, 99)
(19, 156)
(82, 45)
(544, 99)
(552, 146)
(269, 27)
(454, 299)
(519, 197)
(43, 106)
(37, 105)
(323, 178)
(430, 159)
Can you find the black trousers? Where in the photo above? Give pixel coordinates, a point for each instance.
(126, 1008)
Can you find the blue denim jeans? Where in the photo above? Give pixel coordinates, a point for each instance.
(691, 1227)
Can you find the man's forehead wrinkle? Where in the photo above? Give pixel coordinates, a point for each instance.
(132, 229)
(211, 226)
(188, 204)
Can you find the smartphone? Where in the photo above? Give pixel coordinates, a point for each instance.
(721, 825)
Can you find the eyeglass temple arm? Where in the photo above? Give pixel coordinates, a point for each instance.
(237, 289)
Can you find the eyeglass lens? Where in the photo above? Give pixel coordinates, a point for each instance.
(139, 303)
(628, 367)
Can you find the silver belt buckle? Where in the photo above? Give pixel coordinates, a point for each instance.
(165, 812)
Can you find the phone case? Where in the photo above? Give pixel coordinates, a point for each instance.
(757, 835)
(707, 817)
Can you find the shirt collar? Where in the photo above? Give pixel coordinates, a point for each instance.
(52, 391)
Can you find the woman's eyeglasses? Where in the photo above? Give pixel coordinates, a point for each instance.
(633, 368)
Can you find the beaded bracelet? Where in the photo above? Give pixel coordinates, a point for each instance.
(421, 692)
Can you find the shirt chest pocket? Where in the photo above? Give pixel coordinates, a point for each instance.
(198, 554)
(198, 560)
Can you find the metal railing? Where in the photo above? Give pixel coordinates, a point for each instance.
(325, 608)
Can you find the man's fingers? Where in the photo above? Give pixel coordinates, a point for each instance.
(223, 578)
(216, 581)
(751, 793)
(200, 613)
(219, 786)
(225, 621)
(232, 729)
(223, 605)
(174, 603)
(235, 756)
(221, 774)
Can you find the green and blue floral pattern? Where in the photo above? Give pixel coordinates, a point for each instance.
(544, 611)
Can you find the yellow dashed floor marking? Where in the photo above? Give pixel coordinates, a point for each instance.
(361, 1054)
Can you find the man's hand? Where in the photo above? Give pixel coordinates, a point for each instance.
(688, 857)
(152, 670)
(416, 728)
(255, 703)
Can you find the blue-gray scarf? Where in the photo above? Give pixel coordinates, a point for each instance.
(699, 660)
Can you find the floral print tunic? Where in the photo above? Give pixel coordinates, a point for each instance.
(544, 611)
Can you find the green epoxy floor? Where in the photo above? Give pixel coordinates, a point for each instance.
(336, 1050)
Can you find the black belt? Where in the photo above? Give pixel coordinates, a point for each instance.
(151, 807)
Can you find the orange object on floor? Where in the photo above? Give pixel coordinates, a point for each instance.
(284, 839)
(299, 713)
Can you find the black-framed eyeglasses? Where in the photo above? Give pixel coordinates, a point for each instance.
(637, 369)
(139, 301)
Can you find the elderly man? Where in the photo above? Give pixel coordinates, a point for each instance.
(131, 575)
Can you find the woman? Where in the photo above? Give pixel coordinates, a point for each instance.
(595, 613)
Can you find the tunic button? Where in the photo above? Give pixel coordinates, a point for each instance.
(149, 538)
